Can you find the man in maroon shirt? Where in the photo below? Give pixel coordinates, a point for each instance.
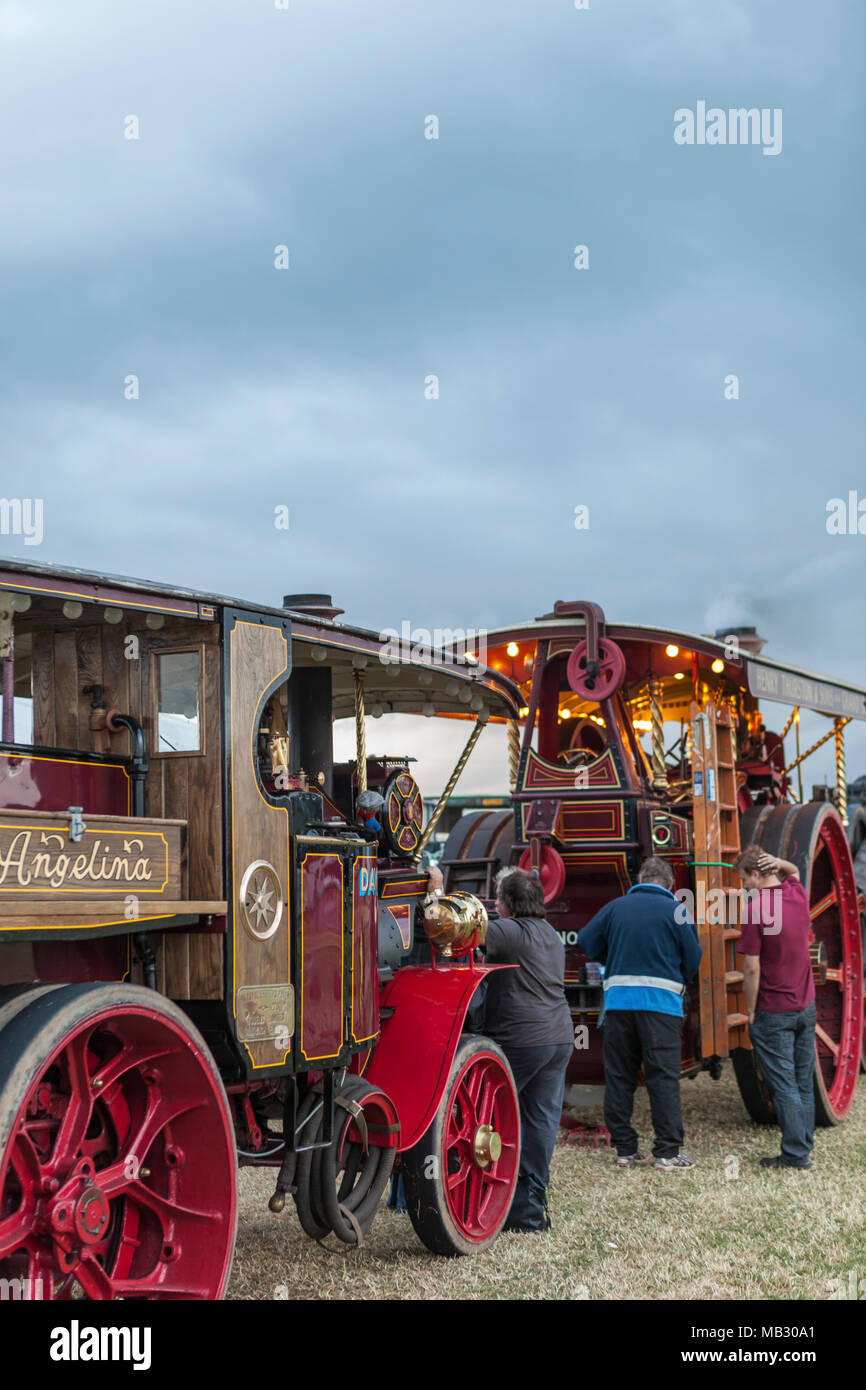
(780, 996)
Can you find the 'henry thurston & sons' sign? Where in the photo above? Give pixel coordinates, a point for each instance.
(794, 688)
(38, 857)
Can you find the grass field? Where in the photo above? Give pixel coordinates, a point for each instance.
(725, 1229)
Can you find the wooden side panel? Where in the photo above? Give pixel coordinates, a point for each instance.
(205, 837)
(43, 689)
(68, 657)
(257, 657)
(115, 679)
(66, 691)
(175, 783)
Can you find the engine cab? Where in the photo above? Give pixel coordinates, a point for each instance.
(173, 812)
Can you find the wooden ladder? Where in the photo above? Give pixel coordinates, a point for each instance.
(716, 845)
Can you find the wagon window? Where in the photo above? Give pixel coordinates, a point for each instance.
(179, 702)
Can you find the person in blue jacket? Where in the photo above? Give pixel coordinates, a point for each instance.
(649, 947)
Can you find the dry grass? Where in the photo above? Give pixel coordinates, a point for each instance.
(639, 1233)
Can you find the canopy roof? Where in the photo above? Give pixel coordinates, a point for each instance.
(764, 677)
(453, 684)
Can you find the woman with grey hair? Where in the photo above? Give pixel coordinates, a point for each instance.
(527, 1014)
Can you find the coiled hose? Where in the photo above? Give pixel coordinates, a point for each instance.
(361, 1169)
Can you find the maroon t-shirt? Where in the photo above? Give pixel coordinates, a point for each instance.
(777, 927)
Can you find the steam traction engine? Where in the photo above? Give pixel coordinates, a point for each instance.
(638, 741)
(203, 952)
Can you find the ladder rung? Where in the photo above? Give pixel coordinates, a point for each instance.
(731, 934)
(734, 977)
(730, 766)
(737, 1020)
(727, 806)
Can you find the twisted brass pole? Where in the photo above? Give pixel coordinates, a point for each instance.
(660, 772)
(513, 751)
(452, 782)
(839, 724)
(360, 733)
(841, 784)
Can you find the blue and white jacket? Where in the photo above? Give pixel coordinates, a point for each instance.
(649, 957)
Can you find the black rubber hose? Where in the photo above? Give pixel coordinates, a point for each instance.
(364, 1176)
(380, 1162)
(308, 1133)
(363, 1200)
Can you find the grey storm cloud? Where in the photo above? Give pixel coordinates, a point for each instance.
(451, 257)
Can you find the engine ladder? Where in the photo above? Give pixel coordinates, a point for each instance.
(716, 845)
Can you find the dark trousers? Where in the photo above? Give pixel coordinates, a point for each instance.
(633, 1037)
(539, 1073)
(785, 1048)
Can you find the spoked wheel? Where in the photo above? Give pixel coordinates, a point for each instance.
(460, 1177)
(117, 1153)
(857, 842)
(813, 837)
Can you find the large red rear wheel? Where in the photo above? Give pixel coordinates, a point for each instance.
(857, 842)
(460, 1176)
(117, 1152)
(813, 837)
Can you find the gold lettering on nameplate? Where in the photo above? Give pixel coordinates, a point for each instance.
(32, 860)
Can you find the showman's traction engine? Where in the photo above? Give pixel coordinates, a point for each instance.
(206, 956)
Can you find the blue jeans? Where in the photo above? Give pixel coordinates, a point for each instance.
(785, 1048)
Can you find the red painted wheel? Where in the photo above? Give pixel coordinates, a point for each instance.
(608, 678)
(460, 1176)
(551, 871)
(117, 1153)
(857, 842)
(813, 837)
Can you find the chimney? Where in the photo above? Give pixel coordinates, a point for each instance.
(746, 636)
(315, 605)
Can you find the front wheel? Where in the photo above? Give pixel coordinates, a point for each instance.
(460, 1176)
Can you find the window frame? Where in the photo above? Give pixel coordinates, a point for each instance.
(156, 653)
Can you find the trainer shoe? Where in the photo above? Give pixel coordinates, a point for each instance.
(632, 1160)
(680, 1160)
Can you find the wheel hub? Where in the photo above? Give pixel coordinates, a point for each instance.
(92, 1215)
(486, 1146)
(818, 957)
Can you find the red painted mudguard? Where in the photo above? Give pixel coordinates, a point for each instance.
(416, 1047)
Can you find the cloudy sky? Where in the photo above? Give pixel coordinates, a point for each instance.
(412, 257)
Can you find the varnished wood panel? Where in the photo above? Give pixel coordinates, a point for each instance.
(204, 816)
(115, 678)
(65, 691)
(65, 659)
(258, 656)
(43, 689)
